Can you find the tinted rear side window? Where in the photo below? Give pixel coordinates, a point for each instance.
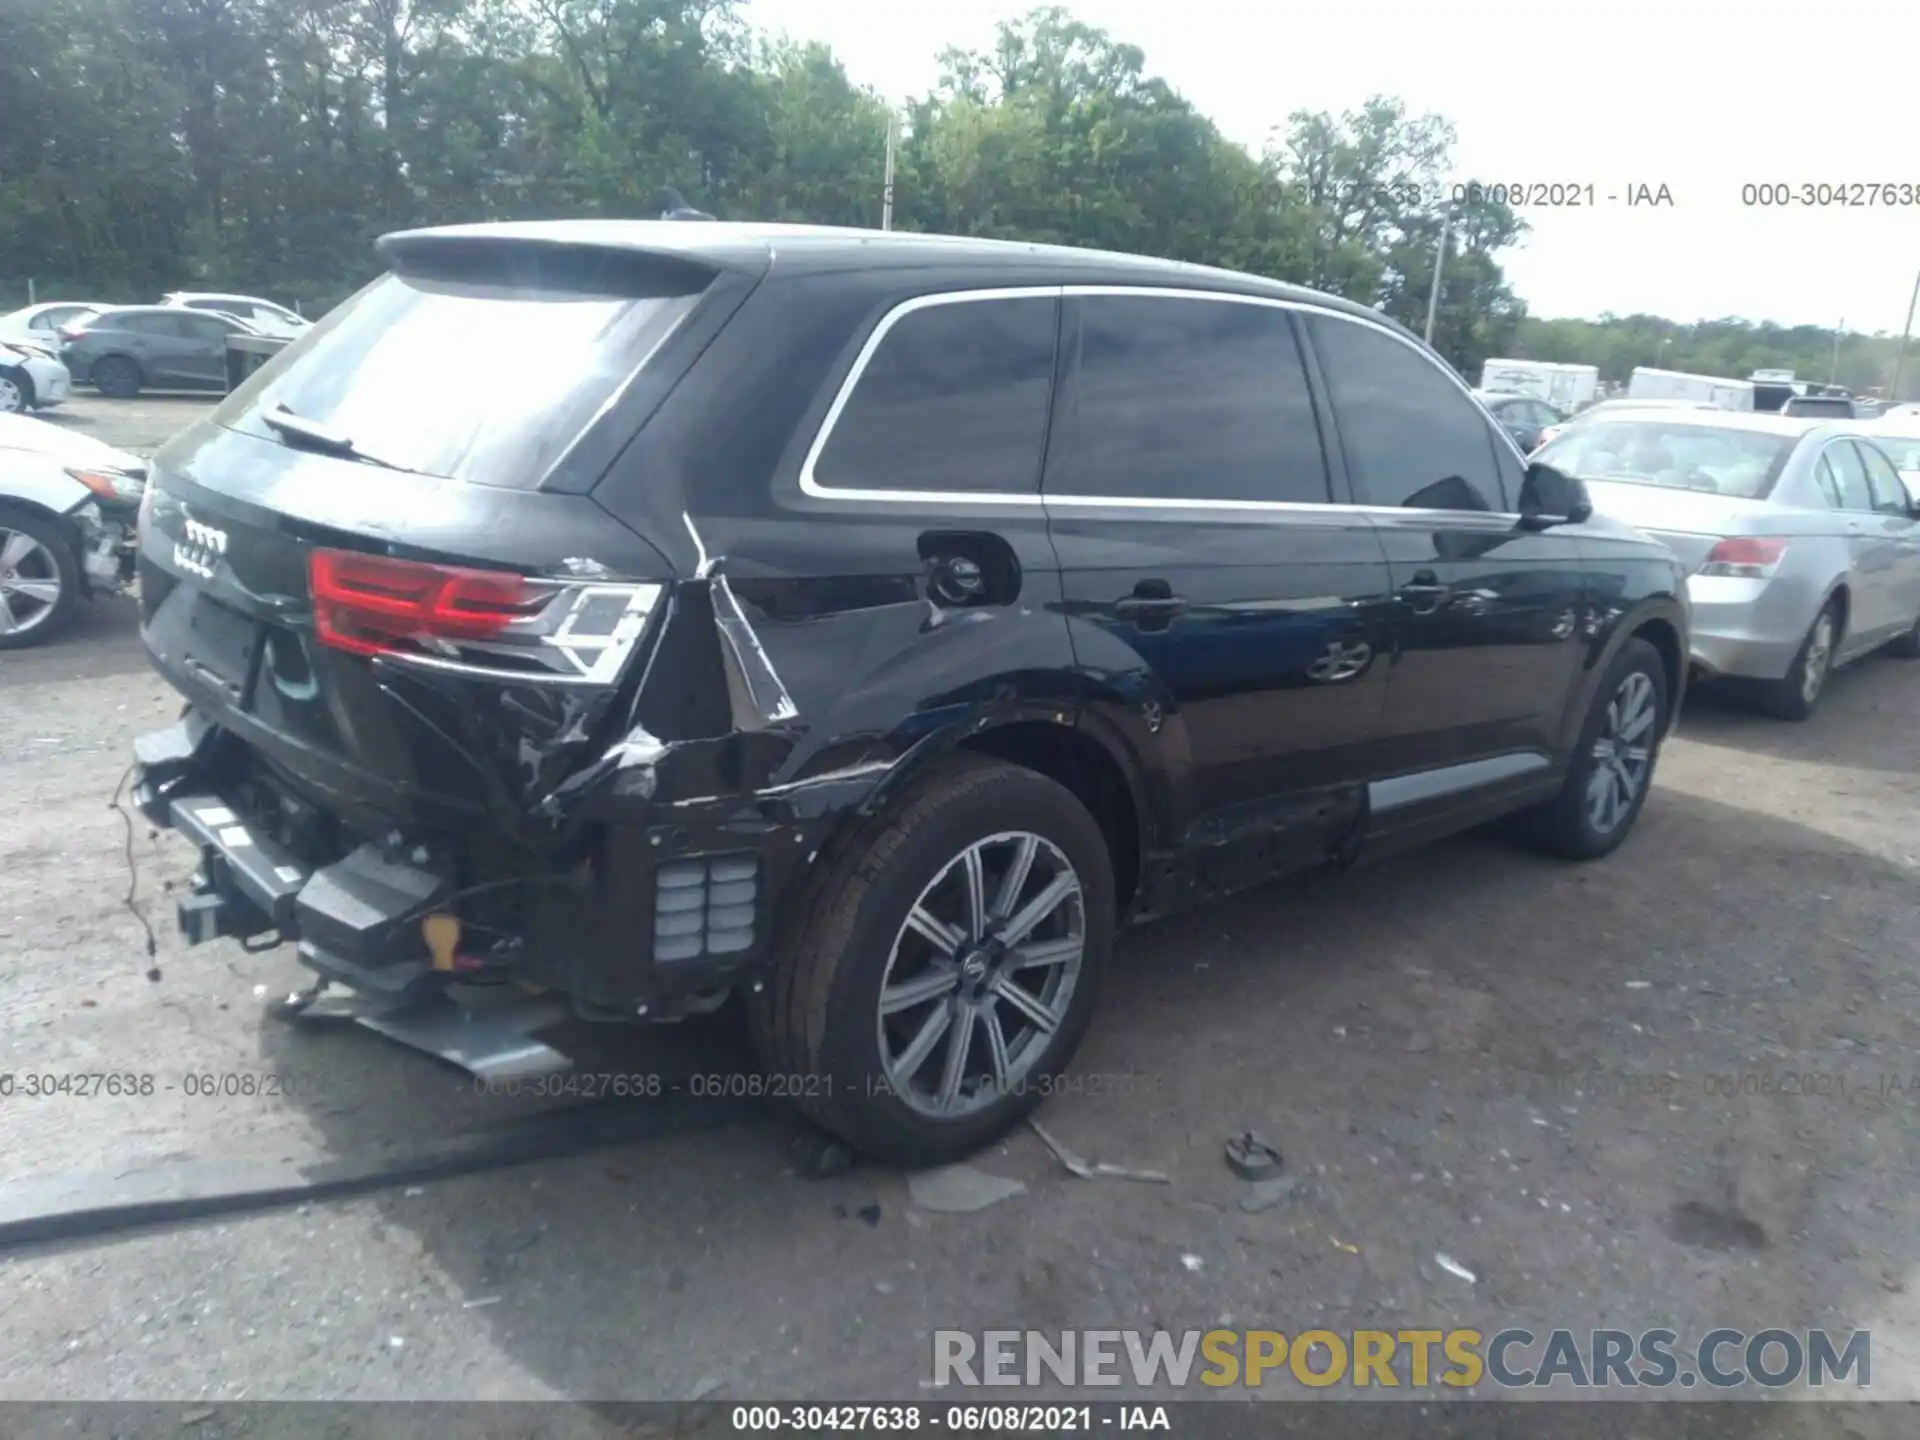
(954, 398)
(479, 378)
(1174, 398)
(1410, 434)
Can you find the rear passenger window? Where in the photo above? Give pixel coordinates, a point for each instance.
(1889, 491)
(1411, 436)
(954, 399)
(1187, 399)
(1850, 475)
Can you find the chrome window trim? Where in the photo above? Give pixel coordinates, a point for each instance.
(811, 486)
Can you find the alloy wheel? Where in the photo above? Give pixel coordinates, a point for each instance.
(981, 975)
(1622, 753)
(1813, 671)
(12, 399)
(29, 582)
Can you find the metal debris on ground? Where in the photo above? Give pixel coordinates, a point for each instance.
(1265, 1194)
(1343, 1245)
(960, 1189)
(1454, 1268)
(1252, 1158)
(869, 1213)
(1192, 1262)
(1095, 1170)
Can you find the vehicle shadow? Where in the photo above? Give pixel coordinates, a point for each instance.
(1867, 704)
(1578, 1080)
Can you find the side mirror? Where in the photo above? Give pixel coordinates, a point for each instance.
(1550, 497)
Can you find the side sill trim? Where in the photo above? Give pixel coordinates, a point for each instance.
(1422, 785)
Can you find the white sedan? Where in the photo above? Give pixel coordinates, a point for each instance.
(30, 378)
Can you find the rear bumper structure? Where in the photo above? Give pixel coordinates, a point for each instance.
(655, 919)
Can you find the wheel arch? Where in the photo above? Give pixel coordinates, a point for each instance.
(1049, 742)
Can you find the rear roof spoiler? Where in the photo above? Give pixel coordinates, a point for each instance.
(580, 253)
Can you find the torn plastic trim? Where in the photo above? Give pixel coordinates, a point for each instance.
(762, 699)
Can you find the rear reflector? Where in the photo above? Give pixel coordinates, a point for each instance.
(1745, 558)
(373, 604)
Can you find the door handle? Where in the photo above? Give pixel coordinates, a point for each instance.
(1424, 592)
(1150, 600)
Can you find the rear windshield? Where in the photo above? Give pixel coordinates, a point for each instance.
(469, 378)
(1675, 455)
(1818, 405)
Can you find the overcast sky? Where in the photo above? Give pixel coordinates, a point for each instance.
(1699, 95)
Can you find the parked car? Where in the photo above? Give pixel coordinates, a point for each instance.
(120, 352)
(1798, 536)
(263, 315)
(39, 325)
(1834, 407)
(1615, 407)
(1522, 416)
(840, 634)
(67, 511)
(30, 379)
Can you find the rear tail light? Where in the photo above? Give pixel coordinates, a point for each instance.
(71, 333)
(1744, 558)
(483, 623)
(375, 605)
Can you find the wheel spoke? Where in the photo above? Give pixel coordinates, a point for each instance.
(1015, 880)
(937, 980)
(45, 591)
(959, 1042)
(1048, 952)
(1029, 1006)
(943, 937)
(976, 894)
(908, 1062)
(6, 615)
(1040, 907)
(997, 1050)
(17, 546)
(1629, 786)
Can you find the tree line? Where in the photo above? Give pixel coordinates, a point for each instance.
(262, 145)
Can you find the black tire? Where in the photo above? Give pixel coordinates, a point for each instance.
(1798, 695)
(1566, 825)
(16, 392)
(818, 1018)
(116, 377)
(59, 564)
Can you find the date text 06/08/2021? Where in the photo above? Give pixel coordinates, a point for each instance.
(136, 1084)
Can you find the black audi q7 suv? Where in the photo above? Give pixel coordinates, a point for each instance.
(864, 624)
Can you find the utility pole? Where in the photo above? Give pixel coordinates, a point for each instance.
(886, 193)
(1833, 373)
(1900, 364)
(1439, 263)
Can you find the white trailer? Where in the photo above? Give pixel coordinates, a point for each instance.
(1647, 383)
(1566, 387)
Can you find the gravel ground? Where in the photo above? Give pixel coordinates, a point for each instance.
(1397, 1030)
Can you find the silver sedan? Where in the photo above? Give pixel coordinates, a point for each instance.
(1801, 542)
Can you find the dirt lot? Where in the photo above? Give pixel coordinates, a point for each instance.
(1397, 1031)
